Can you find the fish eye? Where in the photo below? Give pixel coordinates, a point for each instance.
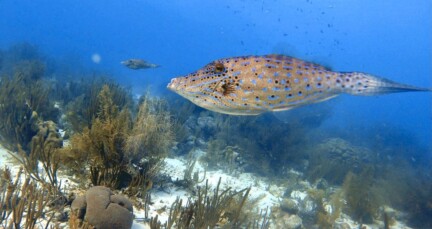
(219, 67)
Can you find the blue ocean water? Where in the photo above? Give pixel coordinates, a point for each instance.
(391, 39)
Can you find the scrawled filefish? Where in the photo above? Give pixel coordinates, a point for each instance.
(250, 85)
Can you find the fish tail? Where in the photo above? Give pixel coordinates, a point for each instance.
(364, 84)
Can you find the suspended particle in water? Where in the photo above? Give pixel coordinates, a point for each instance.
(96, 58)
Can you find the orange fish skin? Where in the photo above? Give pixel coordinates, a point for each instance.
(251, 85)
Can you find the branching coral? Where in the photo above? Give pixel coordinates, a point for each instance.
(22, 205)
(117, 153)
(84, 101)
(148, 143)
(152, 133)
(222, 208)
(44, 148)
(101, 146)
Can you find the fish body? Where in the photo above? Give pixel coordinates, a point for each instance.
(138, 64)
(251, 85)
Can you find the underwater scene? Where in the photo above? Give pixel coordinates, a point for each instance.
(259, 114)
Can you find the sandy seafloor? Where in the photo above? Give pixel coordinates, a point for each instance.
(269, 194)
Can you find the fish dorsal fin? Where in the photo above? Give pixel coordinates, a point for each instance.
(282, 57)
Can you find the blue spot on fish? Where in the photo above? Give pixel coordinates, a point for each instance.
(283, 82)
(275, 89)
(288, 74)
(287, 89)
(296, 80)
(276, 74)
(260, 76)
(269, 80)
(305, 79)
(264, 89)
(270, 66)
(253, 82)
(236, 73)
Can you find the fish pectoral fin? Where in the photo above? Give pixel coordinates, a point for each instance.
(227, 88)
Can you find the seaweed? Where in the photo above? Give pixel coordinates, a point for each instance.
(121, 153)
(190, 179)
(361, 199)
(222, 209)
(152, 133)
(328, 207)
(101, 147)
(148, 142)
(83, 101)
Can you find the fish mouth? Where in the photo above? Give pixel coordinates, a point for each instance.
(173, 85)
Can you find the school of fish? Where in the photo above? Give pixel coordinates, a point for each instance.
(251, 85)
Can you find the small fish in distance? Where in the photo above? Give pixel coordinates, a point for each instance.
(138, 64)
(251, 85)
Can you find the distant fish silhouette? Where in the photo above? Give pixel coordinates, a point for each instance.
(138, 64)
(251, 85)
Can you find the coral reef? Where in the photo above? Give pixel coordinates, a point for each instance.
(23, 97)
(119, 152)
(100, 208)
(44, 148)
(22, 101)
(123, 144)
(334, 158)
(101, 147)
